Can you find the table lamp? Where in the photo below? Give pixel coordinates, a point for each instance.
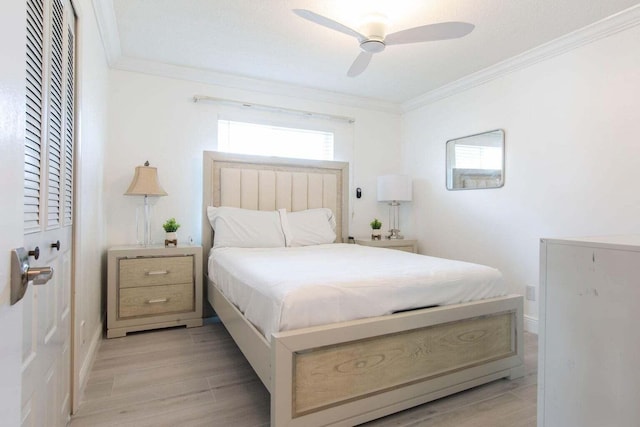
(145, 183)
(394, 189)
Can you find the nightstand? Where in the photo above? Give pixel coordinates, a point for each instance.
(153, 287)
(407, 245)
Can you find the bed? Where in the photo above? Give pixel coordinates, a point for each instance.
(352, 371)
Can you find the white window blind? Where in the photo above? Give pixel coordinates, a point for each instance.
(33, 135)
(50, 115)
(55, 116)
(477, 157)
(69, 131)
(268, 140)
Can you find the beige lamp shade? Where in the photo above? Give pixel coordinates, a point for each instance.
(145, 182)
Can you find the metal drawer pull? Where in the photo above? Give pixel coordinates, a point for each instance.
(157, 301)
(157, 273)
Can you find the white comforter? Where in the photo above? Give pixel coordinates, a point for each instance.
(288, 288)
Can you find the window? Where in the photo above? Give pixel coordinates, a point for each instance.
(268, 140)
(477, 157)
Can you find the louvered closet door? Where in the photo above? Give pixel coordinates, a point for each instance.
(48, 210)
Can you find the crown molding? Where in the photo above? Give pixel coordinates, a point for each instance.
(107, 25)
(256, 85)
(606, 27)
(108, 28)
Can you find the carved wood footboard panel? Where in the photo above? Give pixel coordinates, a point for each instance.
(328, 376)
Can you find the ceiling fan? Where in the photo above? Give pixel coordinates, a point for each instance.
(373, 38)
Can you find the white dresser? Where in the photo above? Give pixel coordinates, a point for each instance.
(589, 343)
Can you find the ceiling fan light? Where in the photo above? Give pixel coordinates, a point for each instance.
(372, 46)
(374, 25)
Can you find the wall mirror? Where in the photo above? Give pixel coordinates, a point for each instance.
(476, 161)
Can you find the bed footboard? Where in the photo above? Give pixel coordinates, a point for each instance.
(357, 371)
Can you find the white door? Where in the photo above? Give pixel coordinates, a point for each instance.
(48, 211)
(12, 76)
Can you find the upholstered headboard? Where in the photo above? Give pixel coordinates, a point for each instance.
(269, 183)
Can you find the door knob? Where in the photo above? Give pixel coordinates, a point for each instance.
(56, 245)
(22, 274)
(39, 275)
(35, 253)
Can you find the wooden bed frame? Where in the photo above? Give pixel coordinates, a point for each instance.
(351, 372)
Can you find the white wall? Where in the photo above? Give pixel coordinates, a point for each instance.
(90, 236)
(12, 116)
(153, 118)
(572, 159)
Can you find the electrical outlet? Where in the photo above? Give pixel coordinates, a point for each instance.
(531, 293)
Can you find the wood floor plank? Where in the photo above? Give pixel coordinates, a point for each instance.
(193, 353)
(252, 393)
(494, 412)
(450, 403)
(209, 416)
(136, 411)
(529, 392)
(143, 341)
(121, 401)
(98, 390)
(198, 377)
(129, 381)
(240, 375)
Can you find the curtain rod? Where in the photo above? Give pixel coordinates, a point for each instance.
(310, 114)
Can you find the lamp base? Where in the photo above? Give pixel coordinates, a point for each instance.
(143, 224)
(394, 234)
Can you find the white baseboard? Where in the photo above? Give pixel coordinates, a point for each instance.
(85, 369)
(531, 324)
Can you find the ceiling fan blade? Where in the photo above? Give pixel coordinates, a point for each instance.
(431, 32)
(360, 64)
(329, 23)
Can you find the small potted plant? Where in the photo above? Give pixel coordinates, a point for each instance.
(171, 228)
(376, 233)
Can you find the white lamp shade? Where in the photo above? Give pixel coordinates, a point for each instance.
(145, 183)
(394, 188)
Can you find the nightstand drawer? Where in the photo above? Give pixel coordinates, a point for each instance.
(146, 301)
(136, 272)
(406, 245)
(409, 248)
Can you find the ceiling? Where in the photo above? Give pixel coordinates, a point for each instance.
(265, 40)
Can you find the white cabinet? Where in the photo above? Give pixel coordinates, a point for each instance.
(589, 344)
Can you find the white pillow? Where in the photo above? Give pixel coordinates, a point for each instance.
(245, 228)
(308, 227)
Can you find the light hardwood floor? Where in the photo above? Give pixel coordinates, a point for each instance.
(198, 377)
